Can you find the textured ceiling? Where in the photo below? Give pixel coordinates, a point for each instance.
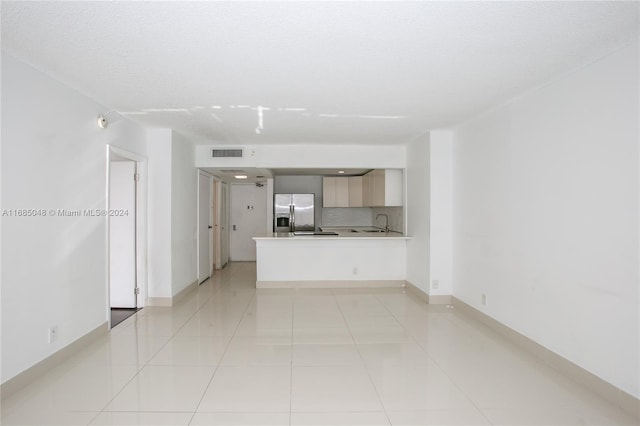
(310, 72)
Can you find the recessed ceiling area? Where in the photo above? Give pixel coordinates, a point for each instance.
(319, 172)
(254, 175)
(228, 175)
(239, 73)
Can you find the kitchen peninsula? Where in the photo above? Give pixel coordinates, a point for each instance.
(348, 258)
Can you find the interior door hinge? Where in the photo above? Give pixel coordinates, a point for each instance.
(137, 290)
(136, 176)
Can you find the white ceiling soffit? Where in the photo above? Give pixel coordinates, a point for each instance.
(253, 174)
(310, 72)
(261, 175)
(319, 172)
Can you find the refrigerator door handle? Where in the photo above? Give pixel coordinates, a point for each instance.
(292, 220)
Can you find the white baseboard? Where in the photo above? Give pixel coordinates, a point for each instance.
(432, 299)
(613, 394)
(331, 284)
(171, 301)
(32, 373)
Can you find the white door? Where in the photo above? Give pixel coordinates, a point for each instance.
(224, 224)
(248, 219)
(122, 234)
(205, 227)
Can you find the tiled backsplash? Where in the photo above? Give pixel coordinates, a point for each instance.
(363, 216)
(396, 217)
(352, 216)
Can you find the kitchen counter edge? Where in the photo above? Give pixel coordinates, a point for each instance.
(340, 236)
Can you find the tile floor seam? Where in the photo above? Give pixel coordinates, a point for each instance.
(519, 351)
(516, 349)
(235, 331)
(151, 357)
(509, 383)
(455, 383)
(468, 397)
(293, 318)
(163, 346)
(375, 388)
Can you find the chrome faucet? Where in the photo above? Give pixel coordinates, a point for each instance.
(386, 222)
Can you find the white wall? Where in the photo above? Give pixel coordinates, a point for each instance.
(418, 211)
(441, 208)
(184, 213)
(54, 269)
(172, 213)
(546, 217)
(159, 150)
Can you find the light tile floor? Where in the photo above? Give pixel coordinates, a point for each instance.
(232, 355)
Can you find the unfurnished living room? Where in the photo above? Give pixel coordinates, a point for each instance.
(320, 213)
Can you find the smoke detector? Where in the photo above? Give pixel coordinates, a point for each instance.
(103, 122)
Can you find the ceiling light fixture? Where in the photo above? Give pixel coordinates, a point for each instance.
(240, 176)
(341, 172)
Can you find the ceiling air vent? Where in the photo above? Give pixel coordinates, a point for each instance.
(218, 153)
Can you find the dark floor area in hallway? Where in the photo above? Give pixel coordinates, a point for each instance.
(120, 314)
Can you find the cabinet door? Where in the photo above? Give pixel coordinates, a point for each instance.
(377, 187)
(393, 195)
(342, 192)
(329, 192)
(366, 190)
(355, 191)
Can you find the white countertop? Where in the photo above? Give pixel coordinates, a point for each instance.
(344, 233)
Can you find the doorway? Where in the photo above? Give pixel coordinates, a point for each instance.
(126, 229)
(249, 213)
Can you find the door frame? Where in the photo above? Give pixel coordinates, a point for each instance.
(211, 225)
(217, 250)
(223, 206)
(113, 152)
(122, 191)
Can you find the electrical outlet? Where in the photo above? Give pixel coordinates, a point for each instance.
(435, 284)
(484, 299)
(53, 334)
(355, 271)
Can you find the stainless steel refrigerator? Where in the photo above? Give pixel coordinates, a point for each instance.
(293, 212)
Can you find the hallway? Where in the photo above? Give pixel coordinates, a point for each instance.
(231, 354)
